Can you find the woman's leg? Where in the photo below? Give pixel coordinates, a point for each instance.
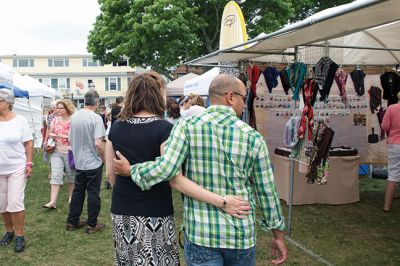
(8, 222)
(18, 219)
(393, 174)
(389, 194)
(57, 172)
(54, 190)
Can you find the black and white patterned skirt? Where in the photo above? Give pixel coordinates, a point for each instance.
(145, 240)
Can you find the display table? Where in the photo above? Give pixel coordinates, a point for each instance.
(342, 184)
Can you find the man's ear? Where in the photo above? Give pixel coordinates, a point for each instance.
(229, 98)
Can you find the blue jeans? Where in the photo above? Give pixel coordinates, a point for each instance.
(196, 255)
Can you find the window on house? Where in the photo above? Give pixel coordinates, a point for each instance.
(121, 62)
(113, 84)
(89, 62)
(46, 81)
(54, 83)
(23, 62)
(63, 83)
(58, 62)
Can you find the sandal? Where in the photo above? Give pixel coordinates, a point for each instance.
(384, 210)
(46, 206)
(19, 244)
(8, 237)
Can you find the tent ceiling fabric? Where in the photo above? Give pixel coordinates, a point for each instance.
(358, 16)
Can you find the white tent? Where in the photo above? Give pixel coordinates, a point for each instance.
(355, 24)
(175, 88)
(200, 84)
(5, 73)
(31, 108)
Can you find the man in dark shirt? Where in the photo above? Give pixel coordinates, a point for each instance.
(117, 109)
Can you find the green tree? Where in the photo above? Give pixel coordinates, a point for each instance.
(164, 33)
(160, 33)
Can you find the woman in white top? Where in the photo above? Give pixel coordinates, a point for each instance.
(184, 104)
(197, 105)
(16, 152)
(59, 130)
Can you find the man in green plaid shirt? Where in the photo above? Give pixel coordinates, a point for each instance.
(226, 156)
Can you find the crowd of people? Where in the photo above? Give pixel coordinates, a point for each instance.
(151, 144)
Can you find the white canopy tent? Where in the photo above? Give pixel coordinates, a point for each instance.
(354, 25)
(200, 84)
(30, 107)
(175, 88)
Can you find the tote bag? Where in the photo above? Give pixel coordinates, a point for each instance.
(71, 161)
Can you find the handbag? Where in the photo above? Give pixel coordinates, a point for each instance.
(373, 138)
(71, 161)
(49, 149)
(50, 146)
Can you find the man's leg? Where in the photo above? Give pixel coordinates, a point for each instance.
(93, 189)
(78, 198)
(196, 255)
(239, 257)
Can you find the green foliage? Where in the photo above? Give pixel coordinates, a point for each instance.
(164, 33)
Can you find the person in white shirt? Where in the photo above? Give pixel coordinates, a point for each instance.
(16, 152)
(184, 104)
(197, 105)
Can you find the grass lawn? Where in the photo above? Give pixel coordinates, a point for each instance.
(353, 234)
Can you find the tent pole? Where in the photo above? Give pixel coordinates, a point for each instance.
(33, 125)
(291, 177)
(327, 45)
(211, 65)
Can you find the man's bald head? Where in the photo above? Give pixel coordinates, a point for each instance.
(222, 84)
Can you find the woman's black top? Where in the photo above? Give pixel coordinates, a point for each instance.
(139, 140)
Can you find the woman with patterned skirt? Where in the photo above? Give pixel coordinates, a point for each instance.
(143, 223)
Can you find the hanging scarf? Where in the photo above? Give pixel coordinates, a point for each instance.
(290, 135)
(283, 74)
(321, 70)
(319, 164)
(307, 118)
(375, 98)
(253, 72)
(381, 114)
(341, 79)
(296, 74)
(329, 76)
(271, 75)
(358, 75)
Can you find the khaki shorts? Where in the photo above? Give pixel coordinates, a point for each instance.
(12, 191)
(394, 162)
(59, 168)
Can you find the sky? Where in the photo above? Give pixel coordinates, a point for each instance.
(46, 27)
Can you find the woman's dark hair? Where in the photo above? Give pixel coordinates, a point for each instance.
(173, 109)
(145, 93)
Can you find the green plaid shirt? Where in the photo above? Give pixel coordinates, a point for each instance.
(226, 156)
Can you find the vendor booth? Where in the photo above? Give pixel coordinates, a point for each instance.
(337, 72)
